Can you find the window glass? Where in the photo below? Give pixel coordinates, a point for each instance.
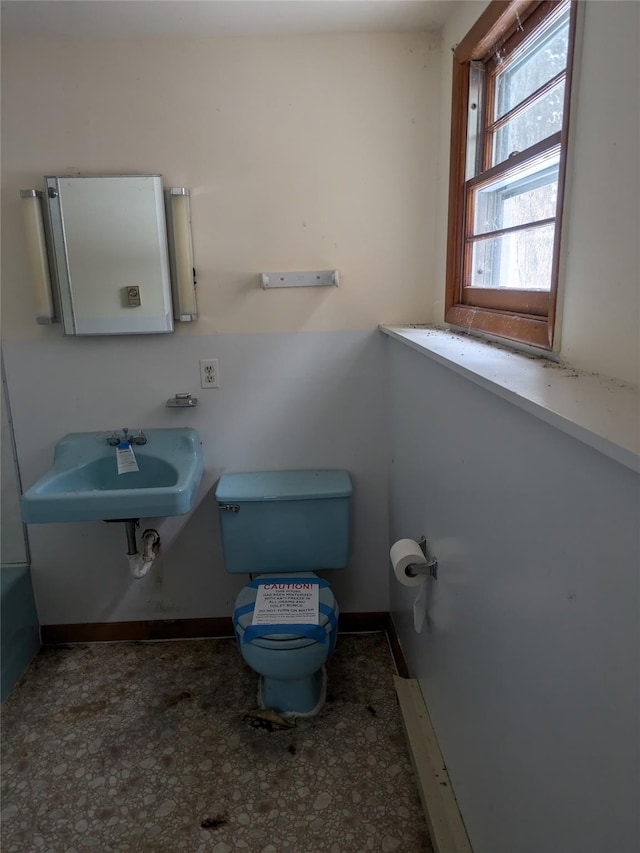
(539, 120)
(518, 197)
(533, 67)
(520, 260)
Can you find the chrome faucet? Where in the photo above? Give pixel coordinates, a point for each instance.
(137, 438)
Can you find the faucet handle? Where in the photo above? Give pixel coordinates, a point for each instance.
(139, 437)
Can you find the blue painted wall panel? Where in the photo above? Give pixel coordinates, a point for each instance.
(19, 629)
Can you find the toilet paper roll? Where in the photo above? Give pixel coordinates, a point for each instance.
(403, 553)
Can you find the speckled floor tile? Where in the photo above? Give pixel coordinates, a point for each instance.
(142, 747)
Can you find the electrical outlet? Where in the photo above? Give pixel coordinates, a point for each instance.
(209, 376)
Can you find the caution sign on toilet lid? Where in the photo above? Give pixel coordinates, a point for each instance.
(283, 602)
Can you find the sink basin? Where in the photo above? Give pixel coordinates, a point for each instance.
(83, 483)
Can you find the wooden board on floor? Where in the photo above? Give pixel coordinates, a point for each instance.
(446, 828)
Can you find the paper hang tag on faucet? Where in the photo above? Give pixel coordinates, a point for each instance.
(126, 458)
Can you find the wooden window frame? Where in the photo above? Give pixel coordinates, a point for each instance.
(519, 315)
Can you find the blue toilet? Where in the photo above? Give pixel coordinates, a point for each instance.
(280, 527)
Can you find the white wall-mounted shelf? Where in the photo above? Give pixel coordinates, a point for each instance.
(310, 278)
(598, 410)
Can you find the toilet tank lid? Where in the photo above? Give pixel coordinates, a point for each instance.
(283, 485)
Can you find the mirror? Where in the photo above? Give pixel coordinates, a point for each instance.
(109, 254)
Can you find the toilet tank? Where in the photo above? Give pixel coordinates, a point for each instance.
(284, 521)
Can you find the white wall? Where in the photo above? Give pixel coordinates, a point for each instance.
(600, 302)
(529, 658)
(301, 153)
(314, 399)
(600, 326)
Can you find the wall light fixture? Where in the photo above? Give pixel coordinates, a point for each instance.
(37, 251)
(185, 307)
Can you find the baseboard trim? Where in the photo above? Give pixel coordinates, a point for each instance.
(396, 649)
(359, 623)
(182, 629)
(150, 629)
(444, 820)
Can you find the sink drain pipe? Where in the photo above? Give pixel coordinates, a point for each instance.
(139, 564)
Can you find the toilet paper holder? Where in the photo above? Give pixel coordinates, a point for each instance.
(428, 568)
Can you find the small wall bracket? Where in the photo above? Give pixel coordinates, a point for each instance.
(182, 401)
(428, 568)
(311, 278)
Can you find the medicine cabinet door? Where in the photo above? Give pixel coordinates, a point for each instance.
(109, 245)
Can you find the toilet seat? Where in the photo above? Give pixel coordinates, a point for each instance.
(282, 637)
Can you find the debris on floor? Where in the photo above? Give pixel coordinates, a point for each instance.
(267, 718)
(142, 748)
(215, 822)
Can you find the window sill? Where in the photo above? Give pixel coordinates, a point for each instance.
(597, 410)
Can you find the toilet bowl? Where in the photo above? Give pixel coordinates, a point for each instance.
(289, 658)
(281, 527)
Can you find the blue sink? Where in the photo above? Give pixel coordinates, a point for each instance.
(83, 483)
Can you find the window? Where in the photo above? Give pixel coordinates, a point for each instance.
(510, 111)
